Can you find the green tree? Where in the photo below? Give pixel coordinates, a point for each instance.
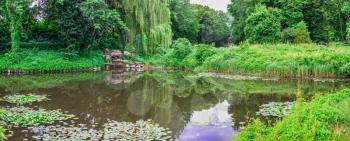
(107, 24)
(302, 33)
(240, 10)
(263, 26)
(184, 19)
(315, 17)
(15, 11)
(4, 32)
(346, 11)
(73, 28)
(214, 26)
(149, 25)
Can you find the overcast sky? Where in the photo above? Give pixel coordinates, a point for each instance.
(215, 4)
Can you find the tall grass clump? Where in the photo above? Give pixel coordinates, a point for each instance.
(285, 60)
(323, 119)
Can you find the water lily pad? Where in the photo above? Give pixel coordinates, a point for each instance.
(112, 130)
(276, 109)
(23, 116)
(25, 99)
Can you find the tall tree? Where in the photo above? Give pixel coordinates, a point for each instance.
(214, 26)
(106, 22)
(184, 19)
(263, 26)
(149, 25)
(15, 10)
(346, 11)
(240, 10)
(4, 32)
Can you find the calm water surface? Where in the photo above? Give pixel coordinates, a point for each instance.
(194, 107)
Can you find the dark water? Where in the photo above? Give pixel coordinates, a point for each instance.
(193, 107)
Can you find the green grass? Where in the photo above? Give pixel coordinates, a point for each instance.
(285, 60)
(325, 118)
(29, 59)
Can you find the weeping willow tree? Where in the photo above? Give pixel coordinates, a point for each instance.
(148, 23)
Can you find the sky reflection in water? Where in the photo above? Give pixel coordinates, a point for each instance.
(213, 124)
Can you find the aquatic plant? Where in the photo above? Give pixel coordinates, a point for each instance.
(23, 116)
(25, 99)
(112, 130)
(140, 130)
(276, 109)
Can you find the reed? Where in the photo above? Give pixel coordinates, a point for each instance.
(284, 60)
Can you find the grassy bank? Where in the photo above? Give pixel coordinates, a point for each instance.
(286, 60)
(325, 118)
(29, 59)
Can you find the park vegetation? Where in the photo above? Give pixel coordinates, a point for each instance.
(280, 38)
(325, 118)
(263, 37)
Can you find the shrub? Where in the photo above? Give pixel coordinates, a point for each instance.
(182, 48)
(302, 33)
(288, 35)
(345, 70)
(199, 54)
(263, 26)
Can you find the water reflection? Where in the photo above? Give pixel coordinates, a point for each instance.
(194, 107)
(213, 124)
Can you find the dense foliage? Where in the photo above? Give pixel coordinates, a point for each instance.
(185, 21)
(199, 24)
(304, 60)
(326, 20)
(322, 119)
(263, 26)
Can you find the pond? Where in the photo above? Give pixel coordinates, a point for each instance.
(192, 106)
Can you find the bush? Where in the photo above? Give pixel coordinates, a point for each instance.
(288, 35)
(345, 70)
(302, 33)
(263, 26)
(199, 55)
(182, 48)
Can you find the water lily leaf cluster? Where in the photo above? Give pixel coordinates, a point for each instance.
(112, 130)
(25, 99)
(276, 109)
(23, 116)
